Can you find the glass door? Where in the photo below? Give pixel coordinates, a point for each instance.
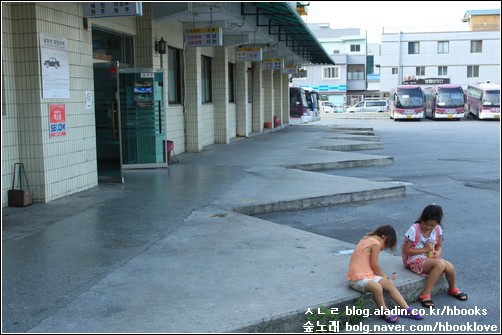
(142, 118)
(110, 50)
(107, 124)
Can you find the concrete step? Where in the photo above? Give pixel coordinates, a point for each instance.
(295, 321)
(352, 146)
(342, 164)
(355, 137)
(299, 190)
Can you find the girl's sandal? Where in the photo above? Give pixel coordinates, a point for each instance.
(412, 314)
(425, 300)
(390, 318)
(456, 293)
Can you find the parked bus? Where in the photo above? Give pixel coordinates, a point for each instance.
(299, 111)
(407, 102)
(444, 102)
(313, 100)
(483, 100)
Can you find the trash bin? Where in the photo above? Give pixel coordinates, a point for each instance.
(169, 151)
(169, 145)
(277, 121)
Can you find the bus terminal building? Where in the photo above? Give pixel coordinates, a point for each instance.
(90, 89)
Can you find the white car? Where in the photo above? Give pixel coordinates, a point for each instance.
(328, 107)
(370, 106)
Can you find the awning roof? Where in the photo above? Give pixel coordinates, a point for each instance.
(292, 30)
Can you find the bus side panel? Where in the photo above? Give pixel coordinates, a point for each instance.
(298, 109)
(483, 100)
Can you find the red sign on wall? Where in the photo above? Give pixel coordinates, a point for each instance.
(57, 120)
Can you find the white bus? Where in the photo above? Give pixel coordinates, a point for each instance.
(483, 100)
(314, 102)
(407, 102)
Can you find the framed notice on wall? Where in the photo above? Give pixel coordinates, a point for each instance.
(55, 67)
(57, 120)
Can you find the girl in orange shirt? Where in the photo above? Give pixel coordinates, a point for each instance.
(365, 275)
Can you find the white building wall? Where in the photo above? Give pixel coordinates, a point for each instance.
(285, 99)
(257, 115)
(172, 32)
(268, 96)
(55, 166)
(241, 93)
(220, 95)
(344, 59)
(395, 55)
(207, 118)
(277, 77)
(232, 106)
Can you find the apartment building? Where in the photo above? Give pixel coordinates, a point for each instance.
(439, 57)
(338, 83)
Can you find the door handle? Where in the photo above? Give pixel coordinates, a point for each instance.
(113, 119)
(160, 116)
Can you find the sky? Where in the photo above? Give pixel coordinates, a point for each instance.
(409, 16)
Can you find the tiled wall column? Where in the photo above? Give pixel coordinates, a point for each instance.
(268, 96)
(257, 98)
(60, 165)
(285, 99)
(193, 96)
(29, 108)
(241, 96)
(220, 95)
(278, 94)
(144, 43)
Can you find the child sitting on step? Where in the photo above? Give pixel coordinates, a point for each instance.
(365, 275)
(421, 253)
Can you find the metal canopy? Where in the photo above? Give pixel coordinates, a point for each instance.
(284, 21)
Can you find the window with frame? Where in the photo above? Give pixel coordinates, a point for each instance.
(174, 75)
(370, 64)
(413, 48)
(420, 71)
(394, 70)
(355, 48)
(112, 47)
(331, 72)
(206, 80)
(476, 46)
(473, 71)
(442, 70)
(231, 82)
(443, 47)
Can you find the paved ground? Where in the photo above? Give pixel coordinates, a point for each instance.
(176, 250)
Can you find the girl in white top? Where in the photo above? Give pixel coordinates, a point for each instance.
(424, 257)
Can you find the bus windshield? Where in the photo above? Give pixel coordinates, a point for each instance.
(450, 98)
(491, 98)
(409, 98)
